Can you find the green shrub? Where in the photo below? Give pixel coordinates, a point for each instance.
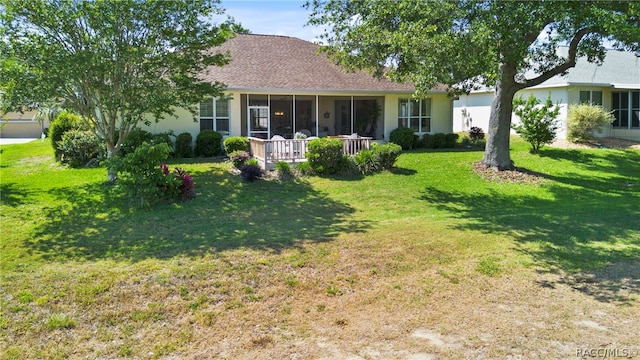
(208, 143)
(537, 124)
(584, 119)
(136, 137)
(166, 138)
(402, 136)
(304, 169)
(439, 140)
(239, 158)
(418, 142)
(366, 162)
(325, 155)
(236, 143)
(429, 141)
(284, 171)
(386, 155)
(450, 141)
(184, 145)
(143, 175)
(79, 147)
(64, 122)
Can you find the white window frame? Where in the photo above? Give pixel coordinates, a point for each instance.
(630, 109)
(591, 92)
(215, 118)
(422, 115)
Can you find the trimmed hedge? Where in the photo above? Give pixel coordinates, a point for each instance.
(208, 143)
(325, 155)
(235, 143)
(184, 145)
(402, 136)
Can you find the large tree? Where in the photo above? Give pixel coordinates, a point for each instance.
(507, 45)
(117, 63)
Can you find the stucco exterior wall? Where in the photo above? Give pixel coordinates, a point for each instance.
(478, 106)
(441, 113)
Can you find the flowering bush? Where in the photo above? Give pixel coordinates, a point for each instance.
(146, 178)
(187, 188)
(239, 158)
(178, 183)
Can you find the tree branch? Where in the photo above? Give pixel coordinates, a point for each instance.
(571, 62)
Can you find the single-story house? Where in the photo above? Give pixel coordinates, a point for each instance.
(279, 85)
(21, 125)
(615, 85)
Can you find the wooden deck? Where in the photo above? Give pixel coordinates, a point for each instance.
(270, 152)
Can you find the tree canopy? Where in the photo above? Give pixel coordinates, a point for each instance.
(115, 63)
(508, 45)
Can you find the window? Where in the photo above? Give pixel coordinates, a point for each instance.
(415, 114)
(593, 97)
(626, 109)
(214, 115)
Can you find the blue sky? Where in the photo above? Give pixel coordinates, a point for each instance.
(281, 17)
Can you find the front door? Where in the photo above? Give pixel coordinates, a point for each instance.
(259, 121)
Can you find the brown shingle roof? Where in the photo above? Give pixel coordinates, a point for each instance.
(271, 62)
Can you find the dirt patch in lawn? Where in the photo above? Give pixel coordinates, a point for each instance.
(517, 175)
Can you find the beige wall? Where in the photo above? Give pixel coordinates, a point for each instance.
(442, 113)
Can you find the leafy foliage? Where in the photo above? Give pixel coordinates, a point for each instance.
(476, 134)
(366, 162)
(235, 143)
(584, 119)
(239, 158)
(184, 145)
(112, 62)
(537, 121)
(136, 137)
(143, 176)
(440, 141)
(461, 43)
(164, 137)
(186, 187)
(251, 172)
(402, 136)
(284, 171)
(325, 155)
(79, 147)
(208, 143)
(64, 122)
(386, 155)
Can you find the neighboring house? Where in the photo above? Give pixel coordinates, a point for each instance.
(21, 125)
(278, 85)
(615, 85)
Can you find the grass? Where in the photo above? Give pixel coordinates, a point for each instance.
(426, 258)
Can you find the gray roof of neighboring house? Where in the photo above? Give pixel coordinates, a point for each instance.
(620, 69)
(281, 63)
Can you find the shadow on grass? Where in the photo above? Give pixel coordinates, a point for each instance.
(12, 195)
(574, 225)
(226, 214)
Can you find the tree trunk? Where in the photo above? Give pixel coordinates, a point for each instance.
(496, 154)
(112, 174)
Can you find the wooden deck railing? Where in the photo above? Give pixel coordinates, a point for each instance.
(269, 152)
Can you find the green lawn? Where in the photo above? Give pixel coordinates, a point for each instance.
(321, 266)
